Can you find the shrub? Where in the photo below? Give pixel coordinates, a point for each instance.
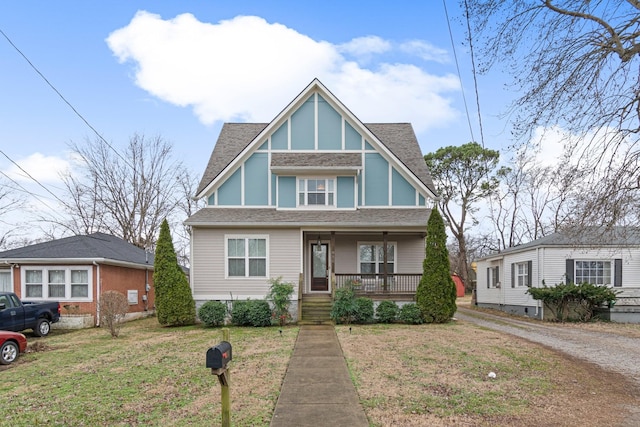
(280, 296)
(387, 312)
(565, 298)
(174, 303)
(113, 307)
(240, 313)
(363, 310)
(411, 314)
(212, 313)
(259, 313)
(436, 293)
(343, 309)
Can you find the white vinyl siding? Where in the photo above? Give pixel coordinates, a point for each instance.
(208, 263)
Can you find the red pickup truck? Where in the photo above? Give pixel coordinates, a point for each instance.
(17, 316)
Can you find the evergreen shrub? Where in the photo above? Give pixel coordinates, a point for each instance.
(387, 312)
(212, 313)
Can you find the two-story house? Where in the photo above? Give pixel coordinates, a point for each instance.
(315, 197)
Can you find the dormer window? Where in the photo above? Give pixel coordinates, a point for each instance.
(316, 192)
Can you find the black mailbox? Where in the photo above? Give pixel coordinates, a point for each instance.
(219, 355)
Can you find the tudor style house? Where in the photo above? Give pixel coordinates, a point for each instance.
(316, 198)
(76, 270)
(608, 258)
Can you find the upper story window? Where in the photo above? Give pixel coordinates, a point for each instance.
(316, 192)
(594, 272)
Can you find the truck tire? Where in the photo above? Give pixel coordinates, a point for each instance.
(43, 327)
(9, 352)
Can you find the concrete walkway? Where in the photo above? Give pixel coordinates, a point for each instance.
(317, 389)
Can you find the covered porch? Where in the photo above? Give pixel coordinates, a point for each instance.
(377, 264)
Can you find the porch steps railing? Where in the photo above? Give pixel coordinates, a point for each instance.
(316, 309)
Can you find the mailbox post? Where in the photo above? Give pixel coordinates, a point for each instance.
(217, 358)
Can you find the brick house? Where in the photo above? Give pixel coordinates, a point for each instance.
(76, 270)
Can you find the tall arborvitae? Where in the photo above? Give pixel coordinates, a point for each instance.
(174, 303)
(436, 294)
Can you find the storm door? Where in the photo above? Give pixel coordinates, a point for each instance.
(319, 267)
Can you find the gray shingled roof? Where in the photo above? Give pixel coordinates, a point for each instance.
(92, 246)
(233, 138)
(589, 237)
(399, 138)
(324, 160)
(353, 219)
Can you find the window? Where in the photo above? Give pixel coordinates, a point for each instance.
(33, 283)
(5, 281)
(246, 257)
(521, 274)
(58, 283)
(316, 192)
(594, 272)
(371, 258)
(493, 277)
(79, 283)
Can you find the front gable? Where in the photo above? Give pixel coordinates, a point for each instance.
(317, 154)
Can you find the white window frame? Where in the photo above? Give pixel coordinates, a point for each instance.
(495, 278)
(379, 262)
(246, 238)
(522, 276)
(607, 280)
(330, 193)
(67, 283)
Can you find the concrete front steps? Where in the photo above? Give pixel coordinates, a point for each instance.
(316, 310)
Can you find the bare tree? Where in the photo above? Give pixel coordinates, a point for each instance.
(125, 195)
(533, 200)
(10, 203)
(576, 65)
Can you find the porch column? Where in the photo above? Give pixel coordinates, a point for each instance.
(333, 252)
(384, 265)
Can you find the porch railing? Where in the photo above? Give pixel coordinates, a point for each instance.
(395, 283)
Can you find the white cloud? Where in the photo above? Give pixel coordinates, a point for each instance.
(247, 69)
(363, 46)
(425, 51)
(44, 169)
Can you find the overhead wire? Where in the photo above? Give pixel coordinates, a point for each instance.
(455, 56)
(64, 99)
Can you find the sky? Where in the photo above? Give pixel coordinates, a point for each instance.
(179, 69)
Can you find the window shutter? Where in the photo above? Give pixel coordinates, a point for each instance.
(569, 270)
(488, 277)
(513, 275)
(529, 272)
(617, 276)
(497, 274)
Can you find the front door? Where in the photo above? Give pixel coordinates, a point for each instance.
(319, 267)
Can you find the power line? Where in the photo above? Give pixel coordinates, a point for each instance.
(455, 56)
(31, 193)
(473, 67)
(64, 99)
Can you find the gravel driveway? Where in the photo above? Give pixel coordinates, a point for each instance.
(612, 352)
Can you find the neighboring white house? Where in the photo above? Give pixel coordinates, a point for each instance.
(316, 197)
(610, 258)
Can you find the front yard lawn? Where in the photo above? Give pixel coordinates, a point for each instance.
(405, 376)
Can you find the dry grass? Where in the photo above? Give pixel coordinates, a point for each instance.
(405, 375)
(436, 375)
